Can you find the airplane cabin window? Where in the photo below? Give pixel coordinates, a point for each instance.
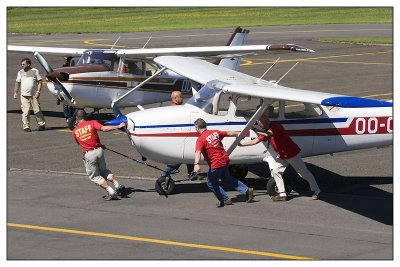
(150, 69)
(223, 104)
(296, 110)
(203, 99)
(247, 106)
(99, 57)
(133, 67)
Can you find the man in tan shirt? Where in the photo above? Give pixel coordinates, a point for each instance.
(29, 80)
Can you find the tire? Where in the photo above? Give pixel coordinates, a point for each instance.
(238, 171)
(166, 189)
(71, 123)
(272, 190)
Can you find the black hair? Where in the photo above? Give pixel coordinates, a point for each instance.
(27, 59)
(80, 114)
(200, 123)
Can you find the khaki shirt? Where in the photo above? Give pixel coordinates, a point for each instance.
(29, 81)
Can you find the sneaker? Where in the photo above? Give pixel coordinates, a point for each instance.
(42, 128)
(111, 197)
(192, 176)
(28, 130)
(315, 197)
(249, 195)
(278, 198)
(120, 190)
(226, 202)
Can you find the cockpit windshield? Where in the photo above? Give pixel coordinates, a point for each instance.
(101, 57)
(203, 99)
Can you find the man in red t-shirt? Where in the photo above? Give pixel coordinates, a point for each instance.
(288, 152)
(209, 144)
(85, 134)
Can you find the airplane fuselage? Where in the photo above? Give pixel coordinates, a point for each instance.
(100, 89)
(333, 130)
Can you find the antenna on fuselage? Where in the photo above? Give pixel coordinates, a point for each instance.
(115, 42)
(147, 42)
(276, 61)
(276, 83)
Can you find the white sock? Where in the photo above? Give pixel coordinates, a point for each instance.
(110, 190)
(282, 194)
(116, 184)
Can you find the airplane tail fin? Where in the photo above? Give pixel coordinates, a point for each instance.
(238, 38)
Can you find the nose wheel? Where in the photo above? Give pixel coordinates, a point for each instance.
(165, 185)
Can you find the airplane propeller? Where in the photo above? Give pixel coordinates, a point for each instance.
(56, 81)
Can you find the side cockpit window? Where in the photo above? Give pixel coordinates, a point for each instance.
(247, 106)
(297, 110)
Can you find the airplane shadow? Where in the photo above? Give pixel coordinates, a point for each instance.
(370, 201)
(337, 190)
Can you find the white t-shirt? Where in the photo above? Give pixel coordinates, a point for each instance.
(29, 80)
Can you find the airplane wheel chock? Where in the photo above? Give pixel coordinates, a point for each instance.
(272, 190)
(167, 184)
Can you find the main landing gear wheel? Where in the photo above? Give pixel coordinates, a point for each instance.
(272, 190)
(238, 171)
(71, 122)
(168, 185)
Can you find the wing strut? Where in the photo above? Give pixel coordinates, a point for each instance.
(248, 126)
(114, 105)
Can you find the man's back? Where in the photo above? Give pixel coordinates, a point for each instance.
(85, 134)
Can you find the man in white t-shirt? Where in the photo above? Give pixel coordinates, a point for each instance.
(29, 83)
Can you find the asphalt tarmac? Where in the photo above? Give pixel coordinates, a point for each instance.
(54, 212)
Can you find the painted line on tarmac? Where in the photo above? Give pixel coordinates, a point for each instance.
(81, 174)
(159, 241)
(318, 59)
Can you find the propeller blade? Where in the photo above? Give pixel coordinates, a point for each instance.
(43, 62)
(56, 81)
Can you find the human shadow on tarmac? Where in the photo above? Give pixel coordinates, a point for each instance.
(340, 191)
(128, 191)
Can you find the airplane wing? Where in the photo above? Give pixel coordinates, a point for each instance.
(206, 51)
(239, 83)
(212, 51)
(49, 50)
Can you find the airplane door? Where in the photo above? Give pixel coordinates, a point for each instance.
(324, 142)
(299, 122)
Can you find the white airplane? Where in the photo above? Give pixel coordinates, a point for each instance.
(101, 76)
(320, 123)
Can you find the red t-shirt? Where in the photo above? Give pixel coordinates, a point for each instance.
(210, 145)
(281, 141)
(85, 134)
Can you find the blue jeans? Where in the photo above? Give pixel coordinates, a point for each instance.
(171, 168)
(223, 173)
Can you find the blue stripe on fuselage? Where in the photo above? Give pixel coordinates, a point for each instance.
(355, 102)
(302, 121)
